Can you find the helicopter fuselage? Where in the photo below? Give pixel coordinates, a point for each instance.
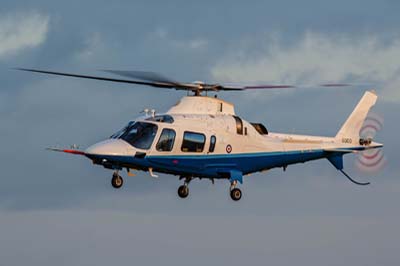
(203, 137)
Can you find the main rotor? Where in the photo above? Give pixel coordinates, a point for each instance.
(153, 79)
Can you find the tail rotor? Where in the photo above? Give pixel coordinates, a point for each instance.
(374, 160)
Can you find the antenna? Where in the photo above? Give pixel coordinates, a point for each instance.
(149, 112)
(145, 111)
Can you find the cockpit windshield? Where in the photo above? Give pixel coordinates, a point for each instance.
(140, 134)
(121, 131)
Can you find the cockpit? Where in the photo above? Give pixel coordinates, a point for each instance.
(139, 134)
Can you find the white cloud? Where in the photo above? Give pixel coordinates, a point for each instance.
(93, 45)
(196, 43)
(317, 58)
(19, 31)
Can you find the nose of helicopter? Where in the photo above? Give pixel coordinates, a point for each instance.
(110, 147)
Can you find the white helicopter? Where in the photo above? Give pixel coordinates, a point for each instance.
(202, 137)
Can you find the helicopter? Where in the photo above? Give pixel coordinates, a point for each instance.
(202, 137)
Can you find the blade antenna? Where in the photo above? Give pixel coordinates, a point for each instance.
(352, 180)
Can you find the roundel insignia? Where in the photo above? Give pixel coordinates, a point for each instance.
(228, 148)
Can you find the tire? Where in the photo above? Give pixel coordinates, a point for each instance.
(236, 194)
(117, 181)
(183, 191)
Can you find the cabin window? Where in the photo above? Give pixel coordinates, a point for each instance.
(245, 131)
(193, 142)
(213, 140)
(166, 141)
(260, 128)
(239, 125)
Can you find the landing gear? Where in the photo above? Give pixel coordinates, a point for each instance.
(183, 191)
(236, 194)
(116, 180)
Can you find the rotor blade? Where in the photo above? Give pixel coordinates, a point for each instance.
(143, 75)
(240, 88)
(269, 87)
(335, 85)
(153, 77)
(148, 83)
(251, 87)
(156, 80)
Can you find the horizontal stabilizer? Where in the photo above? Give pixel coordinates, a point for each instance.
(374, 145)
(340, 151)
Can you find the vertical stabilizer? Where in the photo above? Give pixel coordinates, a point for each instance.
(350, 131)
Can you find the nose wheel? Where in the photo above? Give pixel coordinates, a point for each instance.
(117, 181)
(183, 191)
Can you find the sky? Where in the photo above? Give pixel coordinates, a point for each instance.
(60, 209)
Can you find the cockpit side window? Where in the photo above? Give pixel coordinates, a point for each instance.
(166, 141)
(213, 140)
(140, 135)
(193, 142)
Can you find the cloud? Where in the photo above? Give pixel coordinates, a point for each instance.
(317, 58)
(92, 43)
(94, 46)
(196, 43)
(19, 31)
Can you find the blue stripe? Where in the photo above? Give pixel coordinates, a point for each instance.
(212, 165)
(231, 155)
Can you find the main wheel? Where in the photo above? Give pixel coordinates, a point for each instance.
(117, 181)
(183, 191)
(236, 194)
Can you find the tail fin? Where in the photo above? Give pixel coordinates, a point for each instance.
(350, 131)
